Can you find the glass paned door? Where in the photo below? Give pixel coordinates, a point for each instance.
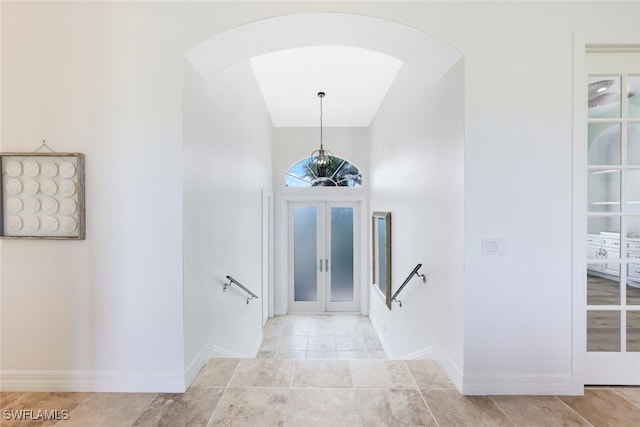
(322, 257)
(613, 219)
(341, 254)
(305, 253)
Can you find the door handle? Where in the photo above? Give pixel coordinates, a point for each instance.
(320, 264)
(326, 264)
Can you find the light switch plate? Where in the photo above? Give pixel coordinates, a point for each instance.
(492, 246)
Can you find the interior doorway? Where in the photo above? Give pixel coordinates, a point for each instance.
(267, 255)
(219, 86)
(323, 253)
(613, 217)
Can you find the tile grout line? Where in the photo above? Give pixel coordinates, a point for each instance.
(223, 393)
(288, 406)
(433, 416)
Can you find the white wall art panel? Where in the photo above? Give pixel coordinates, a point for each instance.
(42, 196)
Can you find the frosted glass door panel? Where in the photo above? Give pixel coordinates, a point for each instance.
(305, 241)
(323, 254)
(341, 254)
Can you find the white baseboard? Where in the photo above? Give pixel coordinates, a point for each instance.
(516, 384)
(198, 362)
(452, 369)
(224, 353)
(257, 345)
(425, 353)
(383, 341)
(87, 381)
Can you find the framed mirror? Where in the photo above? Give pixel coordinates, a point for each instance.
(381, 254)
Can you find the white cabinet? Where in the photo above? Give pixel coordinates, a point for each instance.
(633, 272)
(594, 252)
(611, 249)
(605, 248)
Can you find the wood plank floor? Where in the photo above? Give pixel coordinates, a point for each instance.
(604, 327)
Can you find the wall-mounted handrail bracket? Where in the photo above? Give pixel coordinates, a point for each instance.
(409, 277)
(233, 281)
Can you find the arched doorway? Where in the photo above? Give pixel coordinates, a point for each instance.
(225, 57)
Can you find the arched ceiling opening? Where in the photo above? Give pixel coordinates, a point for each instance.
(353, 58)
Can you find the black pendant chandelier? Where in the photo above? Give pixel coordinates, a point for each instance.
(321, 159)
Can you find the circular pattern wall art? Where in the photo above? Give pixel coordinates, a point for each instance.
(42, 196)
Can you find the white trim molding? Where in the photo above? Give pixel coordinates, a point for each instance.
(196, 365)
(424, 353)
(223, 353)
(92, 381)
(517, 384)
(452, 369)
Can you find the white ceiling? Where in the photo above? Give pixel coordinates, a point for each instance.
(355, 81)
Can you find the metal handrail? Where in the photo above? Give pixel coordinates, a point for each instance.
(413, 273)
(233, 281)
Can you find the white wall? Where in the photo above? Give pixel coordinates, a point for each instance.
(104, 313)
(227, 149)
(517, 307)
(417, 173)
(106, 79)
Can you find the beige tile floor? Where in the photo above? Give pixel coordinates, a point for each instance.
(324, 336)
(327, 392)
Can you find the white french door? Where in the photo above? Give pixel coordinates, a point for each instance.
(323, 254)
(613, 219)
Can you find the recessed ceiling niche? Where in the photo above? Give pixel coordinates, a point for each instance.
(353, 58)
(357, 80)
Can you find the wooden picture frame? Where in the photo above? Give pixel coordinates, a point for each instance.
(381, 255)
(42, 196)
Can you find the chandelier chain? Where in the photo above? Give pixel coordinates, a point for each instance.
(321, 95)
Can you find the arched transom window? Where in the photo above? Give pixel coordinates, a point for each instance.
(338, 173)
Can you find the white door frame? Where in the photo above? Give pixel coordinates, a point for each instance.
(267, 256)
(360, 266)
(579, 196)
